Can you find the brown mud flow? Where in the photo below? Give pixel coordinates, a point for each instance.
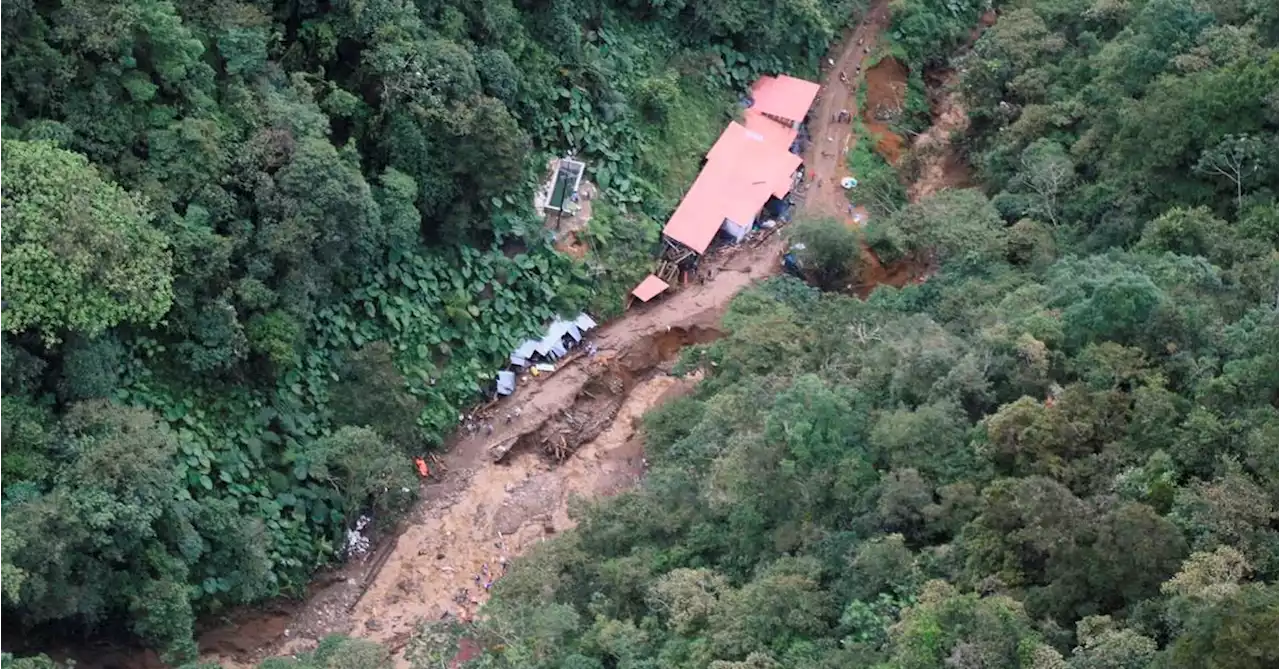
(569, 434)
(597, 404)
(939, 163)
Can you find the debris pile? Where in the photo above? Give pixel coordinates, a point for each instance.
(357, 543)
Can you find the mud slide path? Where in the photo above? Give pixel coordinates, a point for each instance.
(484, 513)
(940, 164)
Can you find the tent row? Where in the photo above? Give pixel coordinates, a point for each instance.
(560, 337)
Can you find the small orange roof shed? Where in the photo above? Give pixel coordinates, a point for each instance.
(785, 97)
(649, 288)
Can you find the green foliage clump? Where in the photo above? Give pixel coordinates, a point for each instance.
(81, 255)
(957, 225)
(831, 250)
(879, 186)
(926, 32)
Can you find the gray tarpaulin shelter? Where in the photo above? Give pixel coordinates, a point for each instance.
(561, 334)
(506, 382)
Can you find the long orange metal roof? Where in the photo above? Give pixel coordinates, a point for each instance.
(700, 213)
(747, 164)
(774, 133)
(785, 97)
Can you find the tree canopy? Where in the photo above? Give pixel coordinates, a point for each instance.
(81, 253)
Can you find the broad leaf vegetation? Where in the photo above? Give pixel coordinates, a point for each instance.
(257, 254)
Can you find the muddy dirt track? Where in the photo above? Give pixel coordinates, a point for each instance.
(831, 140)
(571, 433)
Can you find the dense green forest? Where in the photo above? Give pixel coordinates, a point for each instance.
(257, 253)
(248, 255)
(1058, 452)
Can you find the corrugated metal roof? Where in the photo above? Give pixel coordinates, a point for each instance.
(506, 383)
(649, 288)
(774, 133)
(700, 213)
(743, 169)
(782, 96)
(527, 349)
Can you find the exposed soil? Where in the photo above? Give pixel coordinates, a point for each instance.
(569, 244)
(568, 225)
(441, 563)
(886, 94)
(939, 164)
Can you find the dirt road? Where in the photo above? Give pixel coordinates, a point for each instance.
(832, 140)
(484, 513)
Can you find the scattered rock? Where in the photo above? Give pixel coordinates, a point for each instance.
(372, 625)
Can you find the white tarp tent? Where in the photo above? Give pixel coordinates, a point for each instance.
(735, 230)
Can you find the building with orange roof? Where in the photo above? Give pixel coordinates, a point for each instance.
(750, 165)
(649, 288)
(785, 99)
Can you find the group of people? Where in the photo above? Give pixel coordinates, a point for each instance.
(484, 579)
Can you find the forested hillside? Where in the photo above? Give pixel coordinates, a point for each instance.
(1060, 451)
(257, 254)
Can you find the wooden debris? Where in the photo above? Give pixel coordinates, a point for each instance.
(500, 450)
(384, 553)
